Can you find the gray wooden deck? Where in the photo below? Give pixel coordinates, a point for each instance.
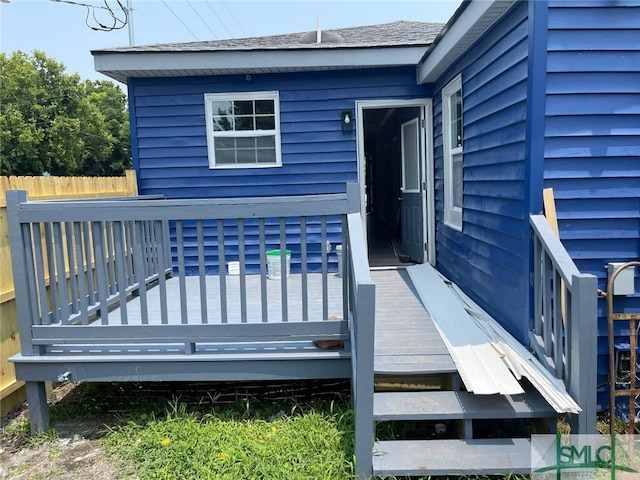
(406, 340)
(233, 295)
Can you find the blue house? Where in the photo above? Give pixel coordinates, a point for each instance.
(465, 124)
(452, 132)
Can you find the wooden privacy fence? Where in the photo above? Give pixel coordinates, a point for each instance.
(38, 188)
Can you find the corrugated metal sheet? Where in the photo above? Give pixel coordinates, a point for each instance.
(317, 157)
(592, 139)
(487, 258)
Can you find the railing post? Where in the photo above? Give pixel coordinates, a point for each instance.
(19, 265)
(363, 392)
(36, 391)
(584, 347)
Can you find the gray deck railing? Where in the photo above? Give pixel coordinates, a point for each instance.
(92, 275)
(75, 261)
(564, 329)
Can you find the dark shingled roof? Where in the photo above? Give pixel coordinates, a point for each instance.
(400, 33)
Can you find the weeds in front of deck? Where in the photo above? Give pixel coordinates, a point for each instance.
(244, 440)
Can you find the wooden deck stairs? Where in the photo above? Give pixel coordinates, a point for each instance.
(449, 431)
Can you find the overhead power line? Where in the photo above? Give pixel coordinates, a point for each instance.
(219, 19)
(119, 16)
(234, 18)
(201, 19)
(179, 19)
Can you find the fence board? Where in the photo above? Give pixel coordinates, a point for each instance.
(39, 188)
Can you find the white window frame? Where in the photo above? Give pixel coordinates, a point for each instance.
(452, 213)
(209, 98)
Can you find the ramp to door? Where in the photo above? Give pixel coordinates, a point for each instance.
(408, 344)
(406, 340)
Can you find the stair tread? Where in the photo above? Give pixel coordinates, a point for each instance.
(448, 405)
(452, 457)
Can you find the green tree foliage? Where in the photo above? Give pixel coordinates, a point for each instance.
(53, 122)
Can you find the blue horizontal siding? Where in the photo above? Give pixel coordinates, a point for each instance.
(487, 258)
(310, 105)
(592, 141)
(317, 157)
(593, 82)
(593, 61)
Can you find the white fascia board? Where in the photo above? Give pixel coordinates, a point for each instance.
(474, 21)
(154, 63)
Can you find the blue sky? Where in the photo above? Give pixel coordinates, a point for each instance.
(60, 29)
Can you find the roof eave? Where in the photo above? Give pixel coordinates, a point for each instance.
(462, 31)
(123, 65)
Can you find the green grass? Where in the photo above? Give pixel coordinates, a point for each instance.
(238, 441)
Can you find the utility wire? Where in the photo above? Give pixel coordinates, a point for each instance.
(116, 21)
(218, 17)
(234, 18)
(202, 19)
(179, 19)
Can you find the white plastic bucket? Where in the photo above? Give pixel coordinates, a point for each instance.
(339, 254)
(274, 264)
(234, 268)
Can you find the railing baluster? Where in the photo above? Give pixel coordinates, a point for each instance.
(101, 271)
(222, 272)
(128, 243)
(161, 263)
(89, 264)
(557, 322)
(28, 242)
(181, 273)
(166, 232)
(325, 288)
(73, 274)
(283, 269)
(263, 271)
(345, 267)
(51, 265)
(147, 249)
(139, 257)
(304, 269)
(45, 318)
(202, 274)
(82, 279)
(243, 272)
(119, 256)
(546, 308)
(537, 273)
(111, 274)
(568, 334)
(61, 274)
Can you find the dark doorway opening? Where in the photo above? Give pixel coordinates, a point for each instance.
(383, 182)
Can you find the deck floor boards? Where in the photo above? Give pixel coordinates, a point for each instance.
(254, 300)
(406, 340)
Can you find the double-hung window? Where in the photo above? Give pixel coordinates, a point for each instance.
(453, 141)
(243, 129)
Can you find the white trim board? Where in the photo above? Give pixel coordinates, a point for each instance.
(457, 37)
(122, 65)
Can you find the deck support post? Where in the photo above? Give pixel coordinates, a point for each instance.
(364, 380)
(38, 407)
